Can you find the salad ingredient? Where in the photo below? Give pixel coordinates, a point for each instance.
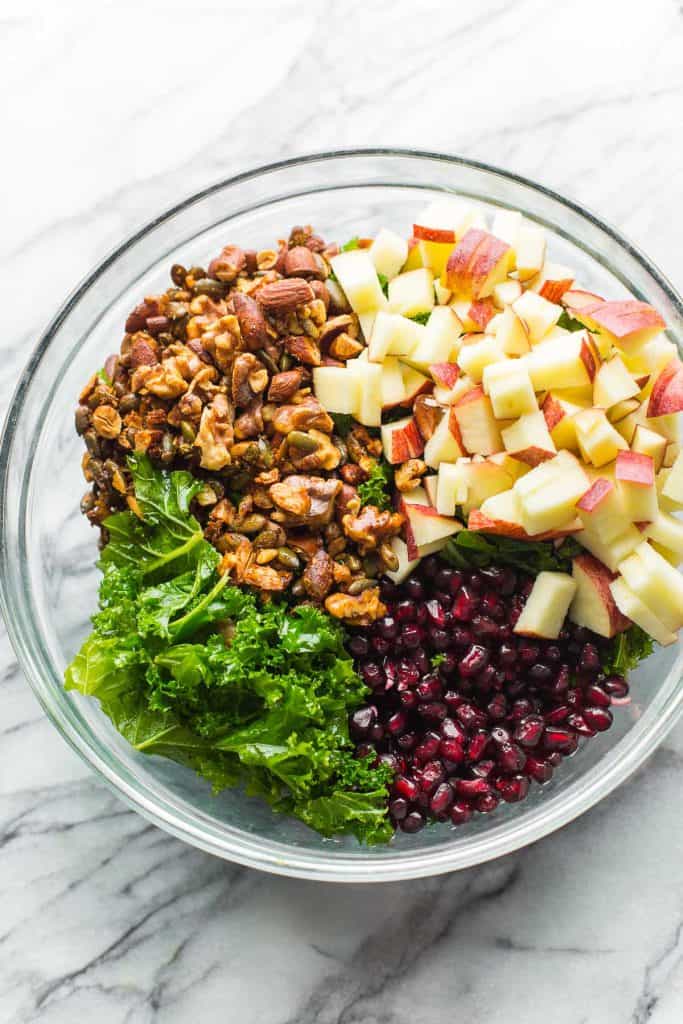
(593, 605)
(546, 606)
(465, 711)
(190, 667)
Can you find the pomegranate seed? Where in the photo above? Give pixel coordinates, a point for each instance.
(460, 812)
(557, 715)
(436, 613)
(561, 741)
(414, 588)
(434, 711)
(407, 673)
(412, 822)
(432, 776)
(477, 745)
(387, 627)
(406, 788)
(598, 718)
(541, 771)
(398, 808)
(579, 724)
(529, 730)
(465, 605)
(451, 750)
(527, 652)
(475, 659)
(590, 658)
(472, 788)
(497, 708)
(482, 769)
(595, 695)
(406, 611)
(513, 789)
(510, 757)
(616, 686)
(408, 700)
(486, 804)
(471, 717)
(442, 799)
(429, 688)
(492, 605)
(406, 742)
(428, 748)
(362, 719)
(397, 723)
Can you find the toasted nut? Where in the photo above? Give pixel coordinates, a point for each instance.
(143, 350)
(207, 496)
(188, 431)
(303, 348)
(345, 347)
(252, 523)
(301, 262)
(258, 380)
(284, 385)
(334, 326)
(388, 556)
(360, 610)
(359, 585)
(353, 474)
(287, 557)
(265, 555)
(137, 320)
(303, 441)
(408, 475)
(106, 421)
(266, 259)
(284, 296)
(253, 327)
(320, 291)
(427, 413)
(229, 264)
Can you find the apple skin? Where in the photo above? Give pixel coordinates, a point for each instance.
(444, 374)
(589, 357)
(481, 312)
(636, 468)
(624, 319)
(577, 299)
(553, 291)
(501, 528)
(552, 411)
(599, 490)
(667, 391)
(473, 261)
(427, 234)
(532, 456)
(402, 441)
(593, 581)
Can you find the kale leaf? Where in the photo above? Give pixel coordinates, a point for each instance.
(421, 318)
(570, 323)
(627, 650)
(190, 667)
(472, 550)
(376, 490)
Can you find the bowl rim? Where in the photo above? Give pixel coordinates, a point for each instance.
(233, 843)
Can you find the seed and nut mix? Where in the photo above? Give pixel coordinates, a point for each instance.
(214, 376)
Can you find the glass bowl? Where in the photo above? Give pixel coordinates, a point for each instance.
(48, 550)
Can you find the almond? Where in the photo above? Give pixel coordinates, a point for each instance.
(303, 348)
(284, 296)
(301, 262)
(284, 385)
(229, 264)
(143, 351)
(252, 322)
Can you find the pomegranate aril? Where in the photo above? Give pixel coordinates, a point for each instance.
(407, 673)
(590, 658)
(409, 700)
(486, 804)
(411, 636)
(406, 787)
(428, 748)
(465, 605)
(471, 717)
(497, 708)
(440, 639)
(460, 812)
(412, 822)
(362, 719)
(492, 606)
(598, 697)
(477, 745)
(562, 741)
(540, 673)
(540, 771)
(527, 652)
(358, 646)
(598, 718)
(420, 660)
(513, 789)
(433, 711)
(397, 723)
(580, 725)
(432, 775)
(387, 627)
(405, 611)
(507, 655)
(372, 674)
(558, 714)
(485, 628)
(472, 788)
(436, 613)
(482, 769)
(451, 750)
(442, 799)
(529, 731)
(449, 580)
(510, 757)
(474, 660)
(380, 645)
(616, 686)
(406, 742)
(429, 688)
(398, 808)
(414, 588)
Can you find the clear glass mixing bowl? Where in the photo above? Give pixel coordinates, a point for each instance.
(48, 550)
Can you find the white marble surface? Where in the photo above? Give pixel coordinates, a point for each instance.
(112, 111)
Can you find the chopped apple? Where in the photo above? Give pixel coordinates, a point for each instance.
(657, 583)
(593, 605)
(402, 440)
(633, 608)
(444, 374)
(529, 251)
(505, 293)
(577, 299)
(479, 432)
(357, 276)
(651, 358)
(414, 258)
(513, 467)
(529, 440)
(449, 396)
(506, 226)
(479, 351)
(547, 605)
(477, 264)
(621, 410)
(393, 335)
(647, 442)
(599, 442)
(445, 220)
(611, 552)
(559, 418)
(369, 383)
(628, 324)
(414, 383)
(667, 391)
(601, 510)
(613, 383)
(553, 281)
(512, 334)
(477, 480)
(441, 337)
(500, 514)
(563, 360)
(405, 564)
(441, 293)
(636, 487)
(482, 312)
(548, 494)
(667, 531)
(451, 488)
(539, 315)
(337, 389)
(393, 392)
(444, 445)
(508, 385)
(428, 531)
(673, 450)
(388, 252)
(412, 292)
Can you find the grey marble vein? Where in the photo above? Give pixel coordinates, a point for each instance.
(114, 112)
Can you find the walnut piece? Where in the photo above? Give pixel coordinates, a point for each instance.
(215, 434)
(106, 421)
(306, 500)
(358, 610)
(409, 474)
(370, 527)
(308, 414)
(318, 576)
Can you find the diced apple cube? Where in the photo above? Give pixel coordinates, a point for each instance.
(427, 530)
(633, 608)
(477, 352)
(547, 605)
(553, 281)
(357, 276)
(478, 263)
(431, 485)
(549, 493)
(529, 251)
(559, 418)
(405, 564)
(443, 445)
(337, 389)
(628, 324)
(393, 391)
(667, 531)
(369, 383)
(401, 440)
(393, 335)
(599, 442)
(479, 432)
(505, 293)
(451, 488)
(656, 583)
(613, 383)
(647, 442)
(611, 552)
(511, 333)
(509, 387)
(388, 252)
(601, 510)
(673, 486)
(593, 605)
(506, 226)
(562, 360)
(441, 338)
(412, 292)
(539, 315)
(636, 487)
(623, 409)
(528, 439)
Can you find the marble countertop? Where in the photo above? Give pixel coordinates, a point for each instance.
(114, 111)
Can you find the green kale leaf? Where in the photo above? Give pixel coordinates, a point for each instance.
(626, 651)
(421, 318)
(472, 550)
(376, 490)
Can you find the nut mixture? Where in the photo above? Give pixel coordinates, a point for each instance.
(214, 375)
